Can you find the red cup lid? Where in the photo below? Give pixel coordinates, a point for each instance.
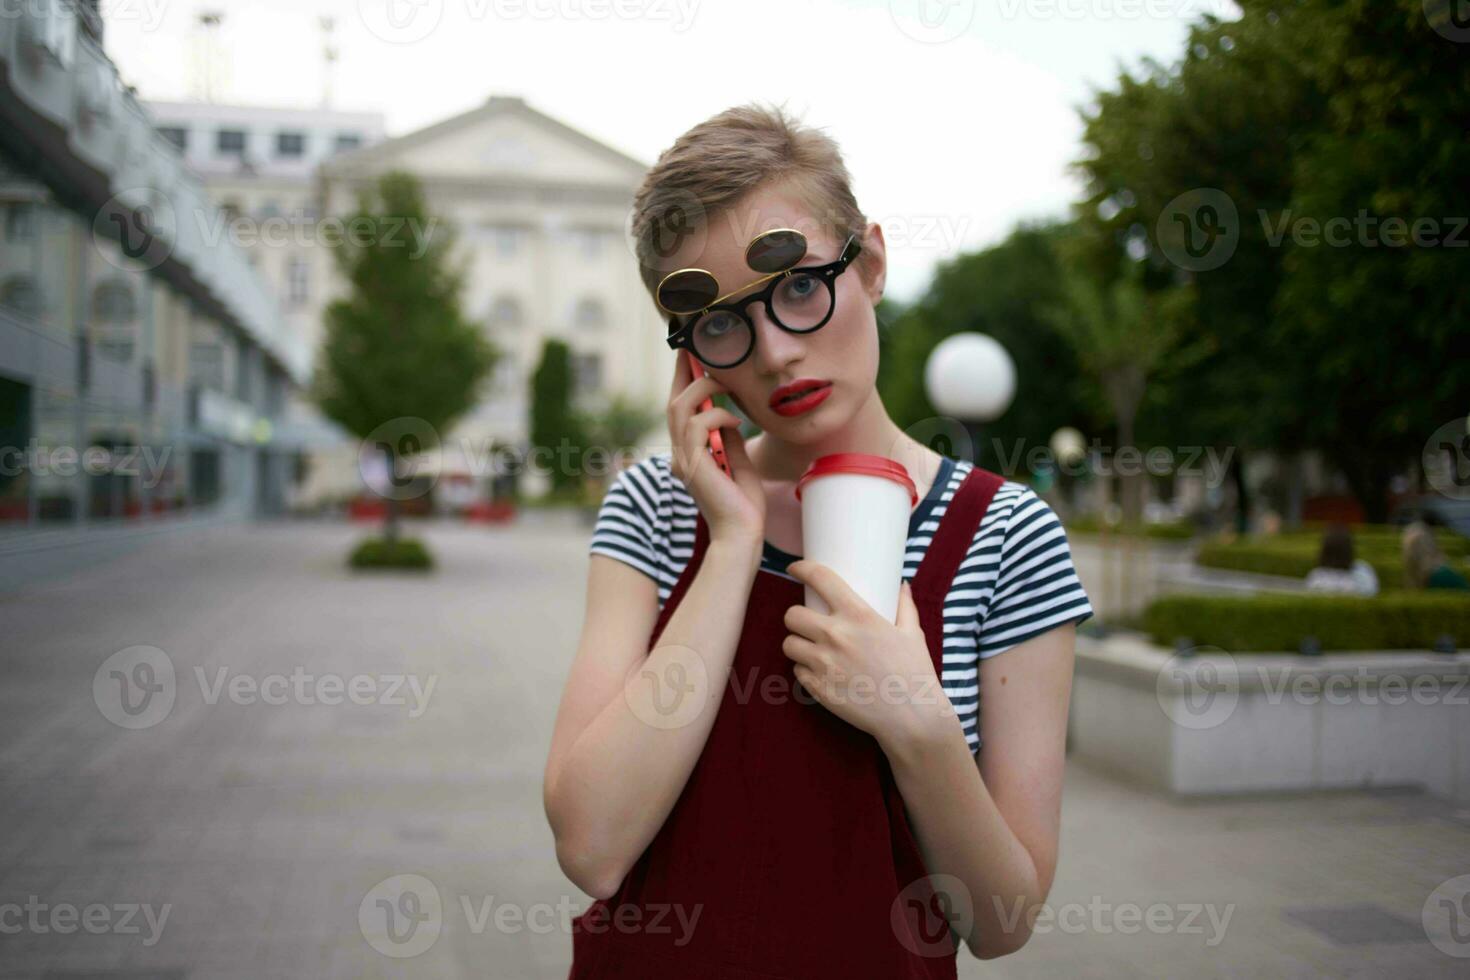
(863, 463)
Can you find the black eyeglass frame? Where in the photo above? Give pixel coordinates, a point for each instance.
(683, 336)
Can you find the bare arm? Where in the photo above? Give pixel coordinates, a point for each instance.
(630, 727)
(994, 822)
(632, 723)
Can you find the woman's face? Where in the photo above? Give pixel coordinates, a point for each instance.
(842, 355)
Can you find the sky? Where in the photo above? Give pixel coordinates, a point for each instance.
(957, 118)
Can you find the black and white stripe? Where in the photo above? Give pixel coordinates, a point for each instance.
(1015, 582)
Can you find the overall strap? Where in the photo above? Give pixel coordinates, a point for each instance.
(691, 568)
(955, 532)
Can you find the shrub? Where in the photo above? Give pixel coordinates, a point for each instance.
(1395, 620)
(1174, 531)
(403, 553)
(1295, 557)
(1387, 536)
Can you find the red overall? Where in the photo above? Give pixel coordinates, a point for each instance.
(788, 855)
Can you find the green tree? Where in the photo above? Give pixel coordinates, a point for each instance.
(1313, 109)
(555, 424)
(1386, 314)
(1004, 291)
(1124, 336)
(397, 349)
(614, 429)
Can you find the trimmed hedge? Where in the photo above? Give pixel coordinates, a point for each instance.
(1386, 536)
(1272, 622)
(407, 553)
(1089, 524)
(1295, 559)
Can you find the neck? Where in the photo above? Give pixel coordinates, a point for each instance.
(870, 430)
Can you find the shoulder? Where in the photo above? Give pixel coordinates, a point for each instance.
(1015, 509)
(646, 520)
(1025, 571)
(647, 481)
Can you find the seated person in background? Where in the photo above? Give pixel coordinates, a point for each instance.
(1337, 570)
(1425, 566)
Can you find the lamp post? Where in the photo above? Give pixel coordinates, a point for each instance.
(972, 378)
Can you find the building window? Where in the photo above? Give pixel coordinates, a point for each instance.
(507, 239)
(588, 241)
(589, 314)
(506, 312)
(298, 281)
(20, 294)
(290, 144)
(230, 142)
(506, 373)
(114, 317)
(587, 373)
(20, 221)
(177, 135)
(207, 363)
(347, 141)
(244, 365)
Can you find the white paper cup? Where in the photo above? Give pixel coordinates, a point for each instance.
(855, 519)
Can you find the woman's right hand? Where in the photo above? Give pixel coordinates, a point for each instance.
(734, 509)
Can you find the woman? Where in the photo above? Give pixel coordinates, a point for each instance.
(1337, 569)
(1425, 566)
(748, 787)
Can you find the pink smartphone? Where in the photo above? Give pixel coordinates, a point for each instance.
(716, 438)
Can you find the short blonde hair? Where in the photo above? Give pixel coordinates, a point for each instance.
(1421, 555)
(718, 162)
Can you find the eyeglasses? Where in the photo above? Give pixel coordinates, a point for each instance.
(798, 300)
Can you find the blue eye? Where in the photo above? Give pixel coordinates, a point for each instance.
(717, 325)
(800, 287)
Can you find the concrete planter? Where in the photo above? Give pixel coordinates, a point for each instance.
(1216, 723)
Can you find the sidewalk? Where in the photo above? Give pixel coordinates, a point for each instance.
(268, 829)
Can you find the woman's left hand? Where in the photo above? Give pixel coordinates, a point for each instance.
(873, 674)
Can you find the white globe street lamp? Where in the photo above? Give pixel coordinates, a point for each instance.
(970, 377)
(1068, 445)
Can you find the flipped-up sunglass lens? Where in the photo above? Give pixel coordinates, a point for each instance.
(691, 290)
(776, 251)
(688, 291)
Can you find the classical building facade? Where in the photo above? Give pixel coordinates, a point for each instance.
(539, 210)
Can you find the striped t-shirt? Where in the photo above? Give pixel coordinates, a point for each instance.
(1015, 582)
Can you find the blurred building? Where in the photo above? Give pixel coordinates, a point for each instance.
(259, 165)
(144, 367)
(539, 210)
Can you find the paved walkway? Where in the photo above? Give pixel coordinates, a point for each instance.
(224, 836)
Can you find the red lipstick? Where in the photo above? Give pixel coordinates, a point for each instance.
(801, 395)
